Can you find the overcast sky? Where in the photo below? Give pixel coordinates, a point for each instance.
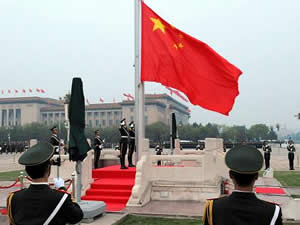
(43, 44)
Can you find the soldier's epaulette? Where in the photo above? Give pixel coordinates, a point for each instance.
(212, 198)
(12, 192)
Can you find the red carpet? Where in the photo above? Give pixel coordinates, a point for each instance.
(269, 190)
(3, 211)
(112, 186)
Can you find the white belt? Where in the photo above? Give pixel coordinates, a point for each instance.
(124, 136)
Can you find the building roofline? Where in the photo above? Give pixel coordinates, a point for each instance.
(104, 106)
(25, 100)
(166, 96)
(147, 102)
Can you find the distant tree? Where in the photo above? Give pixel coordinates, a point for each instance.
(272, 135)
(277, 127)
(235, 134)
(195, 125)
(259, 131)
(157, 132)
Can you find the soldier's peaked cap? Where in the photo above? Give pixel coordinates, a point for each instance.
(244, 159)
(37, 154)
(54, 127)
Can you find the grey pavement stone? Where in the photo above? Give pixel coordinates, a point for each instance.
(170, 208)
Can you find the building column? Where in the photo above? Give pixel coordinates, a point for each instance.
(7, 117)
(15, 117)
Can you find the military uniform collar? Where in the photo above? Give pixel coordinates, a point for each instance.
(243, 194)
(243, 191)
(39, 183)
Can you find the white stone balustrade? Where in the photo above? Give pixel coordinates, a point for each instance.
(180, 176)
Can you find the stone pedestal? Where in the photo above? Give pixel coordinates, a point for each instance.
(91, 209)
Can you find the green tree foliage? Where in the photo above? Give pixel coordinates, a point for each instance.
(259, 132)
(235, 134)
(156, 132)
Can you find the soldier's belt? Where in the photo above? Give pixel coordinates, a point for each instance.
(124, 136)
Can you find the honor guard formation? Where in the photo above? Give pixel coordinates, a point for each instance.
(39, 204)
(242, 206)
(127, 137)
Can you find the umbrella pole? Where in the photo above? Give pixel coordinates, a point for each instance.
(78, 171)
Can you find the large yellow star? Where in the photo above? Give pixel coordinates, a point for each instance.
(157, 25)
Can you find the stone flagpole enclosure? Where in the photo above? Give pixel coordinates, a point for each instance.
(187, 175)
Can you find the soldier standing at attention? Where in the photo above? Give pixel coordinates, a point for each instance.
(54, 140)
(39, 204)
(123, 142)
(267, 154)
(291, 148)
(98, 145)
(158, 150)
(242, 207)
(131, 144)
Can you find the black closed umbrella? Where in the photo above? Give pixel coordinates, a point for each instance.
(78, 145)
(174, 129)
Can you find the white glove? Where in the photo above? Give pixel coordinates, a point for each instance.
(58, 182)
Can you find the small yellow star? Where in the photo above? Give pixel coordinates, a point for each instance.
(157, 25)
(180, 45)
(175, 46)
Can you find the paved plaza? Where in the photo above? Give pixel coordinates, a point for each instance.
(279, 162)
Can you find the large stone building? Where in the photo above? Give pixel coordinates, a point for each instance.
(25, 110)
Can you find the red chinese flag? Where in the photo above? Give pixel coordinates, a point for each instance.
(24, 91)
(175, 59)
(30, 90)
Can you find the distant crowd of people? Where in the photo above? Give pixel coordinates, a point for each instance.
(13, 147)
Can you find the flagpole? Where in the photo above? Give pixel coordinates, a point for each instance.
(139, 86)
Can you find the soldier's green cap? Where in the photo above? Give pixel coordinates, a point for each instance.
(244, 159)
(37, 154)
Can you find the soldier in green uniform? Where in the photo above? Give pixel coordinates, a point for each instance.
(39, 204)
(242, 207)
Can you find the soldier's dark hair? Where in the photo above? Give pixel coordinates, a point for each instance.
(38, 171)
(96, 131)
(243, 180)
